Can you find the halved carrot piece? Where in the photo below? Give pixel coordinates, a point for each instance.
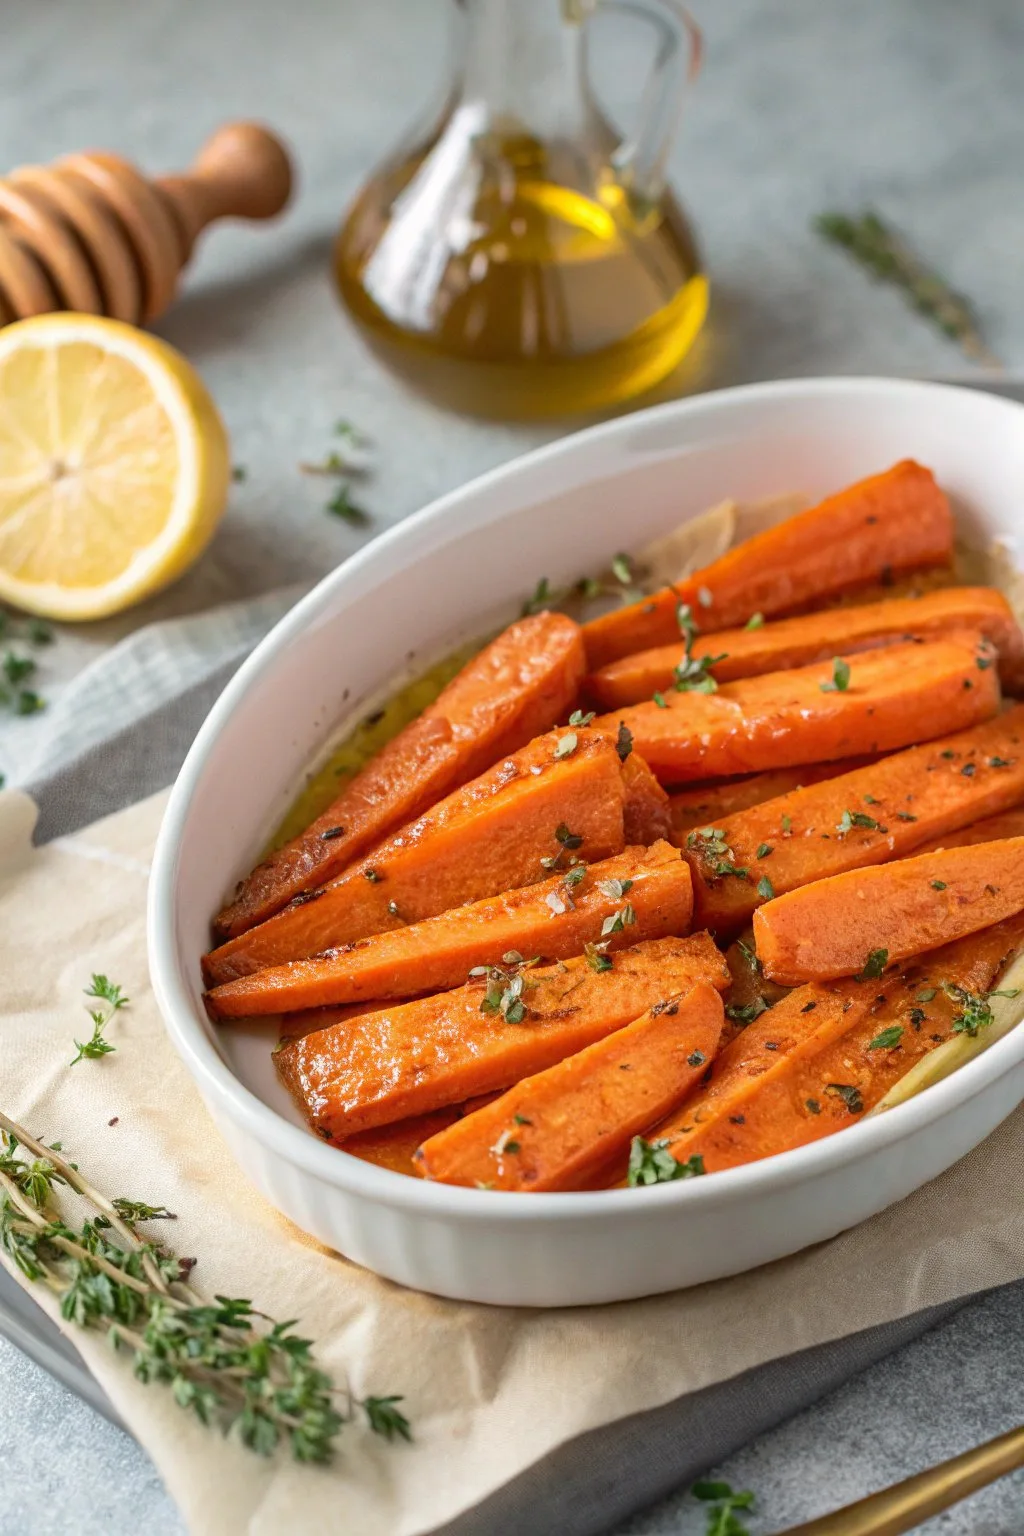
(828, 1053)
(869, 918)
(895, 696)
(517, 687)
(555, 1130)
(645, 813)
(553, 920)
(708, 803)
(418, 1057)
(489, 836)
(873, 814)
(892, 522)
(814, 637)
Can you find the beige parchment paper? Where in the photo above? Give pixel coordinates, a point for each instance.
(489, 1391)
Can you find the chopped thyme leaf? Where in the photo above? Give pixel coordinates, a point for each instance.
(938, 885)
(974, 1012)
(870, 800)
(851, 819)
(813, 1106)
(968, 770)
(332, 833)
(521, 1120)
(808, 1007)
(1000, 762)
(651, 1163)
(596, 959)
(572, 877)
(696, 1059)
(566, 745)
(874, 965)
(765, 889)
(888, 1039)
(566, 838)
(764, 849)
(512, 1146)
(905, 816)
(341, 505)
(614, 889)
(624, 741)
(917, 1017)
(659, 699)
(849, 1094)
(17, 668)
(948, 753)
(615, 922)
(579, 718)
(925, 995)
(746, 1013)
(755, 621)
(840, 677)
(622, 570)
(786, 824)
(373, 875)
(983, 662)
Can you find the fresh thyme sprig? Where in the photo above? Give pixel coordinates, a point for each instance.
(224, 1361)
(344, 465)
(113, 996)
(883, 253)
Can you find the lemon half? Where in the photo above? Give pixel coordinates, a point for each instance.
(114, 465)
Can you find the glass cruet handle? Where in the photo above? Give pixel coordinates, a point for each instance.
(639, 164)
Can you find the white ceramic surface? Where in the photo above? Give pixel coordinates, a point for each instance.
(446, 575)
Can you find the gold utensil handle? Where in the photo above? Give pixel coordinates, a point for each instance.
(905, 1505)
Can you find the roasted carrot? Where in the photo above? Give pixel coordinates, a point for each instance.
(873, 814)
(738, 653)
(828, 1053)
(708, 803)
(989, 830)
(645, 812)
(418, 1057)
(895, 696)
(869, 918)
(892, 522)
(393, 1146)
(552, 920)
(489, 836)
(555, 1130)
(517, 687)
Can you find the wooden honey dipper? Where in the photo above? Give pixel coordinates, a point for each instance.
(91, 233)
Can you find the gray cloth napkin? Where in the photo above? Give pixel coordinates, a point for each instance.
(119, 732)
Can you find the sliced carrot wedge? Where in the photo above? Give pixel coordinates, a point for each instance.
(394, 1146)
(814, 637)
(489, 836)
(828, 1053)
(646, 812)
(552, 920)
(874, 814)
(517, 687)
(895, 696)
(555, 1130)
(867, 919)
(893, 522)
(418, 1057)
(708, 803)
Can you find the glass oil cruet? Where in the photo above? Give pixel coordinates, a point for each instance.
(517, 259)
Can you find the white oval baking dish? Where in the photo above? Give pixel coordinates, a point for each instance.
(443, 576)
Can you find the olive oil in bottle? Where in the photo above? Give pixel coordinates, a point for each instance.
(518, 263)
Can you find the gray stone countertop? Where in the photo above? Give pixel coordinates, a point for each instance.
(911, 105)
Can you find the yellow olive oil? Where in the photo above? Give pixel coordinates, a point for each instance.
(366, 740)
(517, 295)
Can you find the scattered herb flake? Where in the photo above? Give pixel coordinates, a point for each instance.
(755, 621)
(840, 680)
(566, 745)
(624, 741)
(579, 718)
(341, 505)
(849, 1094)
(659, 699)
(874, 965)
(764, 849)
(888, 1039)
(765, 889)
(651, 1163)
(622, 570)
(938, 885)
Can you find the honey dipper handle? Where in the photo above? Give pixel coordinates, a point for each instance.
(242, 172)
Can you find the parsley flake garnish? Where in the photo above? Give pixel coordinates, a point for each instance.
(851, 819)
(888, 1039)
(765, 889)
(579, 718)
(938, 885)
(764, 849)
(849, 1094)
(566, 745)
(659, 699)
(755, 621)
(566, 838)
(746, 1013)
